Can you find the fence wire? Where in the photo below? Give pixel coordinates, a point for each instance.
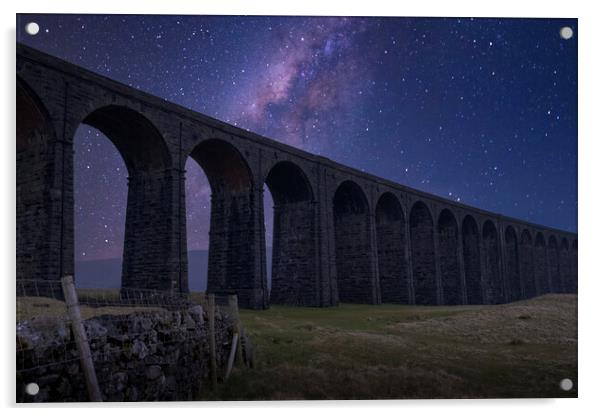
(42, 320)
(141, 324)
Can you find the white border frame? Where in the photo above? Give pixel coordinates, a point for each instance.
(590, 288)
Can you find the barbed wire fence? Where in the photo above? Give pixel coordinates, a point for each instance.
(242, 349)
(123, 345)
(42, 324)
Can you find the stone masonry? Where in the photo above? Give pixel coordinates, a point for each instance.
(141, 356)
(340, 234)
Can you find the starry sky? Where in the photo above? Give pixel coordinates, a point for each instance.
(482, 111)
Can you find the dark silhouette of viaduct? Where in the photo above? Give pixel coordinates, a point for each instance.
(340, 235)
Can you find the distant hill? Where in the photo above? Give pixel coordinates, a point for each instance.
(197, 270)
(102, 274)
(106, 274)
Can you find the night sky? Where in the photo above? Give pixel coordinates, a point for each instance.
(482, 111)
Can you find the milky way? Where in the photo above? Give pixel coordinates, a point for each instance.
(482, 111)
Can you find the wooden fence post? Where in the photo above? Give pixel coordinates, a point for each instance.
(231, 356)
(233, 303)
(81, 339)
(211, 316)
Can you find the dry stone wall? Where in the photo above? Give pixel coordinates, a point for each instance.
(141, 356)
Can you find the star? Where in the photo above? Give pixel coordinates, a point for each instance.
(459, 96)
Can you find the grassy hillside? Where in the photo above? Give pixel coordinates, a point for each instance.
(521, 349)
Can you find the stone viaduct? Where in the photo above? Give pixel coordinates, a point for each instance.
(340, 235)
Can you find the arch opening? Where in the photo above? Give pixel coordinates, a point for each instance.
(572, 287)
(492, 278)
(540, 264)
(38, 216)
(472, 261)
(451, 281)
(423, 255)
(198, 216)
(288, 184)
(294, 267)
(355, 280)
(513, 277)
(138, 141)
(391, 248)
(99, 175)
(526, 264)
(564, 266)
(226, 169)
(554, 265)
(268, 226)
(149, 198)
(232, 266)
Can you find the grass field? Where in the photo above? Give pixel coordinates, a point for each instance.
(43, 308)
(521, 349)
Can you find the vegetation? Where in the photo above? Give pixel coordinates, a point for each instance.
(523, 349)
(44, 308)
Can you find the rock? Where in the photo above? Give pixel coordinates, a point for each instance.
(176, 318)
(152, 336)
(64, 388)
(196, 312)
(141, 324)
(131, 394)
(118, 339)
(94, 329)
(153, 372)
(120, 380)
(164, 318)
(73, 369)
(170, 383)
(139, 357)
(139, 349)
(46, 382)
(189, 322)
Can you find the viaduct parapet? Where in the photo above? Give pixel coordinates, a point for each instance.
(340, 235)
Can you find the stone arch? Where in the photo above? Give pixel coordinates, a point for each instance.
(526, 264)
(149, 198)
(353, 247)
(540, 265)
(226, 168)
(294, 269)
(40, 228)
(234, 261)
(139, 142)
(554, 265)
(572, 287)
(423, 254)
(288, 183)
(492, 279)
(564, 265)
(34, 124)
(391, 247)
(513, 277)
(472, 260)
(451, 281)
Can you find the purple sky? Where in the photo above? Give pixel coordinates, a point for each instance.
(482, 111)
